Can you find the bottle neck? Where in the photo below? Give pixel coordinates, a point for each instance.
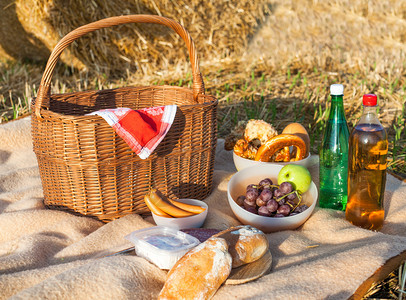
(369, 115)
(337, 99)
(337, 107)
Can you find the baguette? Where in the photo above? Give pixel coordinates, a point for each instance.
(246, 244)
(200, 272)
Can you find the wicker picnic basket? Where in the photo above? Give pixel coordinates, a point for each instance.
(87, 169)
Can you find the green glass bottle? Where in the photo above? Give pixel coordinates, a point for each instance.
(334, 154)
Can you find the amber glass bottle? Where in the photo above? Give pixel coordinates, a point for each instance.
(368, 149)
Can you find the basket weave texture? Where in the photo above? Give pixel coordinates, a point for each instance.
(87, 169)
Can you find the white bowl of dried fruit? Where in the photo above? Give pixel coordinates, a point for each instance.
(178, 214)
(195, 220)
(259, 199)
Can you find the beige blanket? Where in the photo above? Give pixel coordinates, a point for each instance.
(52, 254)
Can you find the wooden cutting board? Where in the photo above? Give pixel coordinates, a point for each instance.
(251, 271)
(240, 275)
(243, 274)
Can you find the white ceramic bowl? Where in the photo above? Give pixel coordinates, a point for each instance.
(237, 186)
(242, 163)
(195, 221)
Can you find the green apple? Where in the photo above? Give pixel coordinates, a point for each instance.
(298, 176)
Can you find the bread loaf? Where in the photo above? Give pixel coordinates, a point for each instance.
(245, 244)
(299, 130)
(200, 272)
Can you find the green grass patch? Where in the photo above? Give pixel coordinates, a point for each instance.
(278, 97)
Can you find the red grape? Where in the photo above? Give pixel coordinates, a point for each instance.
(284, 210)
(240, 200)
(277, 193)
(272, 205)
(260, 202)
(286, 187)
(263, 211)
(292, 196)
(281, 201)
(265, 183)
(291, 202)
(251, 195)
(251, 209)
(249, 203)
(301, 208)
(252, 186)
(279, 216)
(264, 197)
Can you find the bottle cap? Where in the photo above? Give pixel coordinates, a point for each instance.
(369, 100)
(336, 89)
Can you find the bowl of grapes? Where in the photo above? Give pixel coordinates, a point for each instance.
(272, 198)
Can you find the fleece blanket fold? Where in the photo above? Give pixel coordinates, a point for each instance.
(50, 254)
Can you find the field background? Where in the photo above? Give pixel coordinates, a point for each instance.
(272, 60)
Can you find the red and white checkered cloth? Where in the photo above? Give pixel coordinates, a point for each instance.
(142, 129)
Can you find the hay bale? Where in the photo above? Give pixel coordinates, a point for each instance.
(219, 29)
(15, 41)
(341, 35)
(33, 17)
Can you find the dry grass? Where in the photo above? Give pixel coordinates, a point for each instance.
(386, 289)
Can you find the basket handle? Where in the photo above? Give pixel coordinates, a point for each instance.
(44, 87)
